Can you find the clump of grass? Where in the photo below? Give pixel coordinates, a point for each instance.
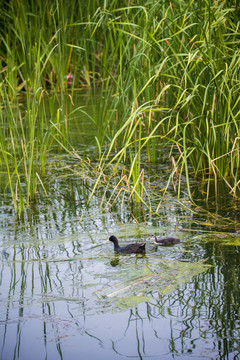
(184, 71)
(21, 151)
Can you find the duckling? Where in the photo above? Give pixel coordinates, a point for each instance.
(138, 248)
(165, 241)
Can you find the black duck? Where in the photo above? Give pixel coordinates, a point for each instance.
(138, 248)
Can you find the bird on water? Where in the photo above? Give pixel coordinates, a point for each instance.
(138, 248)
(165, 241)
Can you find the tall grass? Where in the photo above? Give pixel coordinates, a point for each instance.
(182, 61)
(169, 70)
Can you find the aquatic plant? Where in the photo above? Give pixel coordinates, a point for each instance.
(184, 90)
(190, 98)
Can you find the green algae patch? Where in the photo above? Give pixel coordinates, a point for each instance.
(139, 283)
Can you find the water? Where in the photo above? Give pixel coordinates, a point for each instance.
(65, 295)
(53, 267)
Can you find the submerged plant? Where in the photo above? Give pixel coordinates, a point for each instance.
(141, 283)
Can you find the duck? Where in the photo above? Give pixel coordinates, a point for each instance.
(137, 248)
(165, 241)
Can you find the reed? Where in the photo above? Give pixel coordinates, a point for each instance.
(192, 69)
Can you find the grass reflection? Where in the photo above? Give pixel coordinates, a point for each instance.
(51, 289)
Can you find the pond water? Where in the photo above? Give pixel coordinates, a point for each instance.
(66, 295)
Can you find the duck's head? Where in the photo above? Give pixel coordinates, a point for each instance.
(152, 238)
(113, 239)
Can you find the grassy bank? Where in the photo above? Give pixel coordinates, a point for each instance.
(169, 71)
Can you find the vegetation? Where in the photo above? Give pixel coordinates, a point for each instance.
(170, 71)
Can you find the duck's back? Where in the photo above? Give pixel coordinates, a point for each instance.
(132, 249)
(168, 241)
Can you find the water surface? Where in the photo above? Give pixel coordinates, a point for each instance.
(66, 295)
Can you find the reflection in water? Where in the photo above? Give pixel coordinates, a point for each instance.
(53, 264)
